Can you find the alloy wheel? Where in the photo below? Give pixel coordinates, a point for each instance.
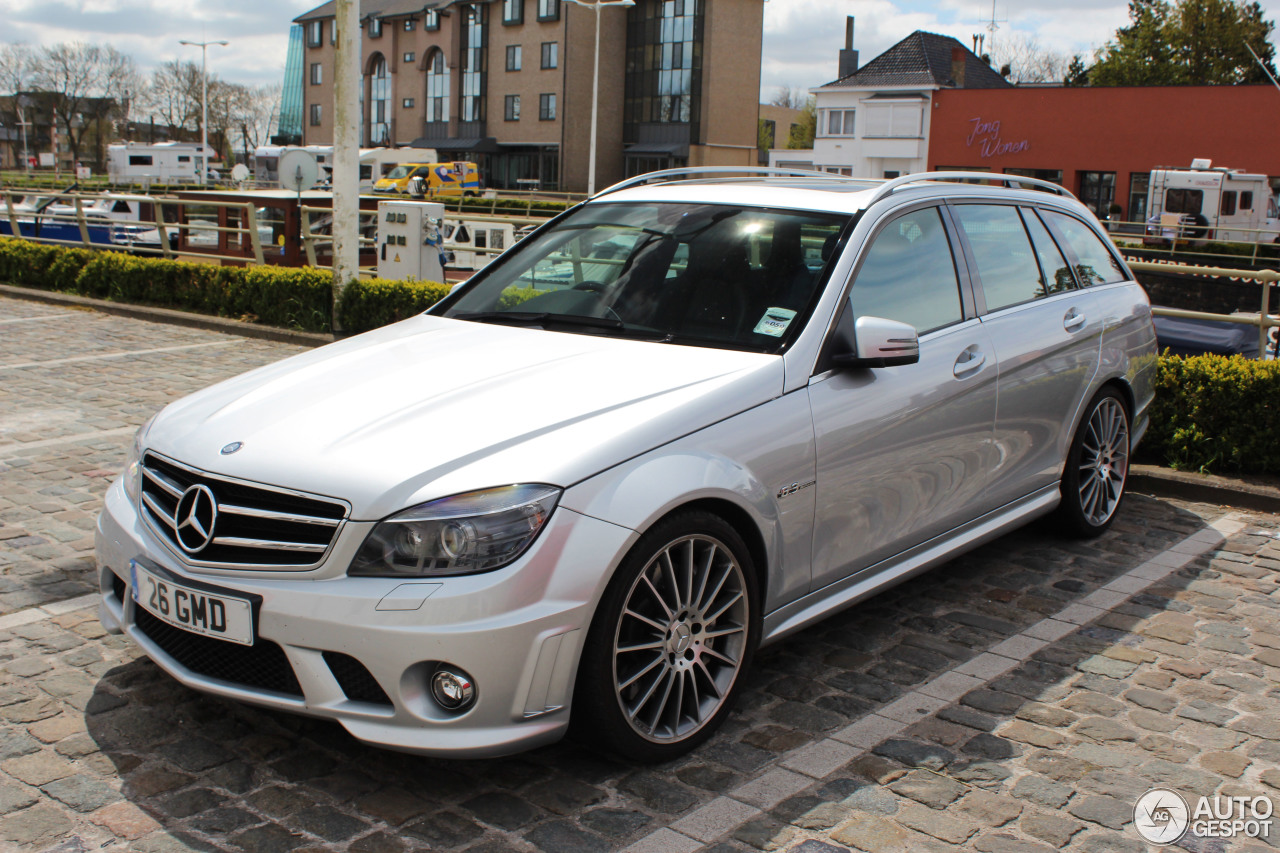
(680, 639)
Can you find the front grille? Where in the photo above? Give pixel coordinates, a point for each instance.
(355, 680)
(262, 665)
(254, 527)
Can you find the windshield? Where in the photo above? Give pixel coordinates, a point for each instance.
(718, 275)
(398, 172)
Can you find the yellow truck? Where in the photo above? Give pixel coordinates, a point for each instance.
(454, 178)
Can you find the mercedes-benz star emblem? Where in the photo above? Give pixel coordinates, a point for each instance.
(232, 448)
(196, 514)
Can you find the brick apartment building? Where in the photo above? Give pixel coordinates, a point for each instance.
(507, 83)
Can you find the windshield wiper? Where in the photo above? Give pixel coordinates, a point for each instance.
(543, 319)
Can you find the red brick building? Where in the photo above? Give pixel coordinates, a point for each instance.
(1101, 143)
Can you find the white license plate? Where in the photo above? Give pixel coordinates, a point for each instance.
(193, 610)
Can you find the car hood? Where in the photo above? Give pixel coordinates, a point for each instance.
(432, 407)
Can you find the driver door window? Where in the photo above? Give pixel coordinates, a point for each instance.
(909, 274)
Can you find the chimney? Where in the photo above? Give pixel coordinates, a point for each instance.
(848, 56)
(957, 67)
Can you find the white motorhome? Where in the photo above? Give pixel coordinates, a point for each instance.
(375, 163)
(1208, 203)
(471, 244)
(162, 162)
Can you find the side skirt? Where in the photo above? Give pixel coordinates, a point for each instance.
(834, 597)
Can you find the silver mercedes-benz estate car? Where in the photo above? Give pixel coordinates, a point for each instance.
(688, 417)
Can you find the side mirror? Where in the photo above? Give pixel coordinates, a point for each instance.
(878, 342)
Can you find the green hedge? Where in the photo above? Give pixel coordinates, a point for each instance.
(288, 297)
(1217, 414)
(374, 302)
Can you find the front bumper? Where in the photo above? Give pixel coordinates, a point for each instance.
(518, 632)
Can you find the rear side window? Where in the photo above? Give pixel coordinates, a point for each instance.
(1183, 201)
(1228, 205)
(1006, 263)
(1246, 201)
(1057, 271)
(1094, 262)
(909, 274)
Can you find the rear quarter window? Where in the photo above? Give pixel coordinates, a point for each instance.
(1094, 261)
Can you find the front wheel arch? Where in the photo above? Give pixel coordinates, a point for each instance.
(599, 700)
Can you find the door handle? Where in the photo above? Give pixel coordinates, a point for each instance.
(964, 366)
(1073, 320)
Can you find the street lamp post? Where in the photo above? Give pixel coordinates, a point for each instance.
(595, 85)
(204, 103)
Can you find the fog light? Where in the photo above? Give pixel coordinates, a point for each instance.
(453, 689)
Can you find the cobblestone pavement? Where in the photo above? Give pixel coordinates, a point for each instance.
(1020, 698)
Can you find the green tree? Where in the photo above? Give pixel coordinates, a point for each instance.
(1187, 43)
(1077, 74)
(806, 125)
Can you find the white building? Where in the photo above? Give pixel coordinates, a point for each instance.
(873, 122)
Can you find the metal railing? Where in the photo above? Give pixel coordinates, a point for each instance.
(1190, 239)
(1264, 321)
(143, 236)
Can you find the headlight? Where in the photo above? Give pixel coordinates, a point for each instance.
(132, 475)
(473, 532)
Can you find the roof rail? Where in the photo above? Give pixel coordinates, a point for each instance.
(685, 173)
(890, 187)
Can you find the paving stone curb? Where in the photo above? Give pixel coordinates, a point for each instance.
(1209, 488)
(168, 315)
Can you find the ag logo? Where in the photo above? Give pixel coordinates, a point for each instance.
(1161, 816)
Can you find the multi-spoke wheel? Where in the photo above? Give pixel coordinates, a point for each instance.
(673, 635)
(1097, 466)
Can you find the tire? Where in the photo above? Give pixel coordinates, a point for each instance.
(1097, 466)
(671, 641)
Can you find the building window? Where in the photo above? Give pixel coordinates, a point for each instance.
(315, 115)
(431, 20)
(548, 10)
(512, 111)
(664, 66)
(315, 33)
(892, 121)
(316, 73)
(546, 108)
(333, 32)
(437, 88)
(474, 39)
(513, 11)
(407, 103)
(409, 56)
(840, 122)
(550, 54)
(409, 24)
(379, 101)
(1097, 189)
(513, 57)
(375, 28)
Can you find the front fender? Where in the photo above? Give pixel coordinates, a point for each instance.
(744, 461)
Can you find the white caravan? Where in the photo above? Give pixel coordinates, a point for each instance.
(375, 163)
(163, 162)
(1207, 203)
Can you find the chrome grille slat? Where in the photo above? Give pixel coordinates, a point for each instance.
(251, 512)
(158, 511)
(174, 490)
(268, 545)
(255, 527)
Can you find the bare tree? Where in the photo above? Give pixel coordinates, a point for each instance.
(792, 98)
(79, 82)
(17, 66)
(1027, 61)
(174, 96)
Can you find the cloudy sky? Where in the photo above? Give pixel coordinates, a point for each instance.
(801, 37)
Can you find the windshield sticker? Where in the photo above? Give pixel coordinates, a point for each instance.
(774, 322)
